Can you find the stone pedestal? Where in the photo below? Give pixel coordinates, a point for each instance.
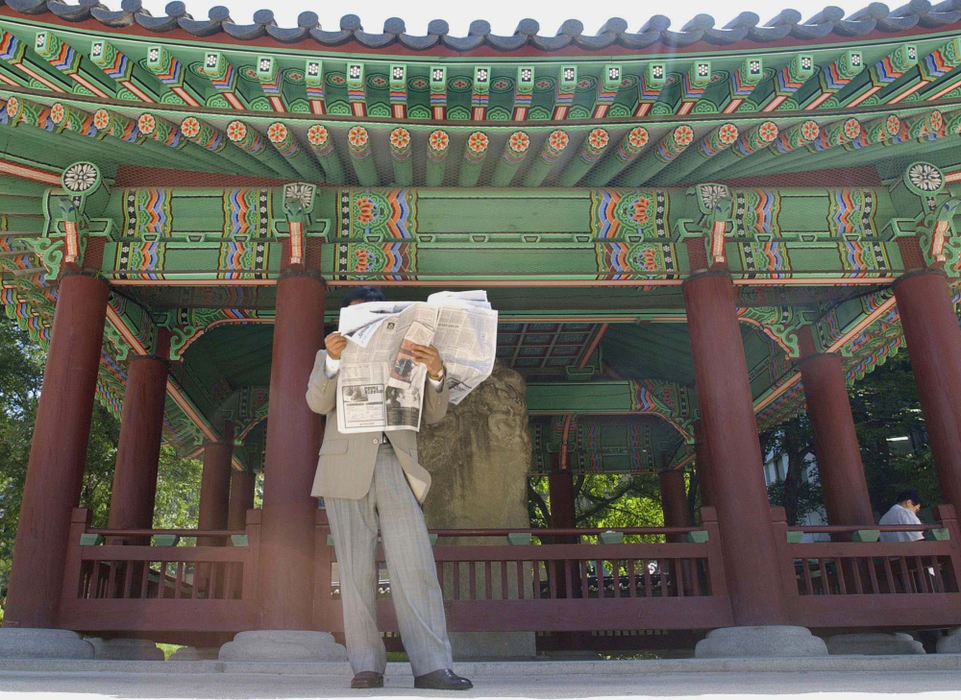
(42, 643)
(760, 641)
(139, 649)
(874, 644)
(283, 645)
(195, 654)
(478, 646)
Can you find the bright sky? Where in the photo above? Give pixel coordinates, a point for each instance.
(505, 14)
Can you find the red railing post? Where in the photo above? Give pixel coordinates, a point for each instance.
(73, 562)
(252, 562)
(717, 580)
(949, 520)
(785, 561)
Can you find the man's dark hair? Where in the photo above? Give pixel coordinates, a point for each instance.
(908, 495)
(362, 294)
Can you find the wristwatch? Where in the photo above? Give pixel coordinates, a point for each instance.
(438, 377)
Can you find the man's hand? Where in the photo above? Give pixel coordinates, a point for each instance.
(335, 344)
(428, 355)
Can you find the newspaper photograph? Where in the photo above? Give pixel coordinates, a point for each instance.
(380, 385)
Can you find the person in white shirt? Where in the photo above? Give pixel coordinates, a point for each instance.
(903, 512)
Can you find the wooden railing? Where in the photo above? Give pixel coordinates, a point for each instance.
(577, 585)
(116, 580)
(127, 581)
(854, 580)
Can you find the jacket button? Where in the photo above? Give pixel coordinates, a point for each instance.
(375, 441)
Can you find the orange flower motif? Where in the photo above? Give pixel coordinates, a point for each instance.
(558, 140)
(13, 106)
(893, 124)
(190, 127)
(638, 137)
(236, 131)
(277, 132)
(767, 132)
(519, 141)
(317, 134)
(365, 210)
(357, 136)
(400, 138)
(146, 124)
(477, 142)
(101, 119)
(810, 130)
(640, 207)
(852, 128)
(57, 113)
(683, 135)
(727, 134)
(598, 139)
(937, 121)
(439, 140)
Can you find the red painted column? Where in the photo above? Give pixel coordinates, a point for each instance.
(835, 441)
(727, 414)
(674, 500)
(241, 498)
(702, 463)
(561, 491)
(215, 484)
(293, 440)
(58, 452)
(930, 327)
(138, 448)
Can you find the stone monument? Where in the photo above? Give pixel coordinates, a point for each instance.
(479, 458)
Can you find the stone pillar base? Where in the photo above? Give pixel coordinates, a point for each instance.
(42, 643)
(195, 654)
(874, 644)
(122, 648)
(477, 646)
(950, 643)
(283, 645)
(760, 641)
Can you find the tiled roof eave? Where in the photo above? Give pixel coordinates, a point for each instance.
(787, 30)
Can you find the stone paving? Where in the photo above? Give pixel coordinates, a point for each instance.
(932, 677)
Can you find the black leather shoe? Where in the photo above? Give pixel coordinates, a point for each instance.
(442, 679)
(368, 679)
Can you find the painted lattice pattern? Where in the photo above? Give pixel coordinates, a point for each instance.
(391, 261)
(618, 260)
(617, 214)
(387, 214)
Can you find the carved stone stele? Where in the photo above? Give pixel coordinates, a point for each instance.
(479, 458)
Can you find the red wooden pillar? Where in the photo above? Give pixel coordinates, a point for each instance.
(674, 500)
(727, 414)
(58, 452)
(835, 439)
(215, 483)
(138, 448)
(241, 498)
(561, 490)
(930, 327)
(702, 463)
(293, 439)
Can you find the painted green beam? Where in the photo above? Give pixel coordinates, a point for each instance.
(400, 157)
(250, 141)
(672, 145)
(438, 147)
(592, 148)
(361, 156)
(515, 151)
(475, 152)
(554, 146)
(629, 148)
(322, 144)
(712, 145)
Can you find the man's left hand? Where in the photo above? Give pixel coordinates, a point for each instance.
(429, 356)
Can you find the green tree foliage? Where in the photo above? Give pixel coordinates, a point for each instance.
(610, 501)
(890, 429)
(21, 371)
(886, 407)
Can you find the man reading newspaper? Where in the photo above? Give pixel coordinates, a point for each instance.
(377, 377)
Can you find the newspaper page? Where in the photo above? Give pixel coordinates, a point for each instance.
(380, 385)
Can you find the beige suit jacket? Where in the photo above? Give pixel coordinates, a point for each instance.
(345, 466)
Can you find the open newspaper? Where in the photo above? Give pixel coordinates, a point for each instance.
(380, 386)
